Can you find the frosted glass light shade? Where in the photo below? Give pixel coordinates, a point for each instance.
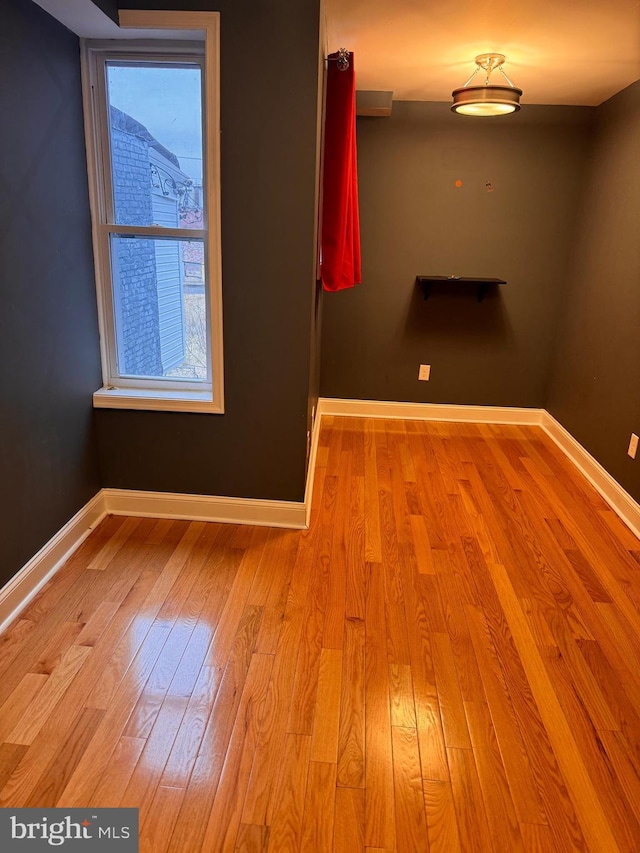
(486, 100)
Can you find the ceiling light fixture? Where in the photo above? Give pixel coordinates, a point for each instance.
(487, 100)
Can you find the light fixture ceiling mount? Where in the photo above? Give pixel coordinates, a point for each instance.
(488, 99)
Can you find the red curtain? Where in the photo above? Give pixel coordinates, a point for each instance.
(340, 236)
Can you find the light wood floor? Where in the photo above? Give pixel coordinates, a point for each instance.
(448, 660)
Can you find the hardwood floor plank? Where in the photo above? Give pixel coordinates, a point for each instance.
(403, 712)
(18, 704)
(97, 623)
(118, 774)
(163, 529)
(379, 804)
(65, 635)
(96, 758)
(350, 772)
(433, 756)
(11, 755)
(334, 455)
(537, 838)
(585, 683)
(42, 605)
(557, 807)
(422, 545)
(13, 638)
(34, 717)
(522, 783)
(334, 616)
(286, 828)
(590, 812)
(150, 700)
(578, 518)
(319, 808)
(113, 544)
(623, 822)
(184, 751)
(469, 805)
(224, 819)
(501, 816)
(587, 576)
(538, 625)
(442, 826)
(454, 591)
(348, 829)
(57, 726)
(454, 721)
(425, 695)
(355, 556)
(625, 766)
(206, 757)
(147, 775)
(613, 684)
(261, 792)
(155, 832)
(324, 742)
(277, 561)
(410, 818)
(252, 838)
(403, 532)
(308, 662)
(47, 792)
(372, 538)
(429, 595)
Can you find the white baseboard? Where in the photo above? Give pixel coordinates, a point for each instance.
(429, 411)
(205, 508)
(618, 499)
(24, 585)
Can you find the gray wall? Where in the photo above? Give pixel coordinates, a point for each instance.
(269, 81)
(49, 356)
(414, 221)
(595, 392)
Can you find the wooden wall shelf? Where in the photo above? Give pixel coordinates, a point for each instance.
(483, 284)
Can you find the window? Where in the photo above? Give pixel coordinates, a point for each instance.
(151, 116)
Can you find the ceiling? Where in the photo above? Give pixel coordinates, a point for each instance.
(558, 51)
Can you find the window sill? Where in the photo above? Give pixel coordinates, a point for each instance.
(155, 400)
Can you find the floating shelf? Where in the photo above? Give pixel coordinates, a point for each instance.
(482, 284)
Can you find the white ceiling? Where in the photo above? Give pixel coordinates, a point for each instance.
(558, 51)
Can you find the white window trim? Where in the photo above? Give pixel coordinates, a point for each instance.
(158, 394)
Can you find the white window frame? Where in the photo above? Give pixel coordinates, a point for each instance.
(192, 37)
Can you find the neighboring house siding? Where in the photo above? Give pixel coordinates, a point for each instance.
(171, 319)
(134, 261)
(170, 305)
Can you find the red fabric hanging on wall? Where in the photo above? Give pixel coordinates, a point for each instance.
(340, 238)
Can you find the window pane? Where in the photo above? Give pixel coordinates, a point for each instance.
(155, 130)
(160, 307)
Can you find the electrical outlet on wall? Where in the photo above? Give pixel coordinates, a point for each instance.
(633, 446)
(424, 373)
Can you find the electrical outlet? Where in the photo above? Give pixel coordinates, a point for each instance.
(424, 374)
(633, 446)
